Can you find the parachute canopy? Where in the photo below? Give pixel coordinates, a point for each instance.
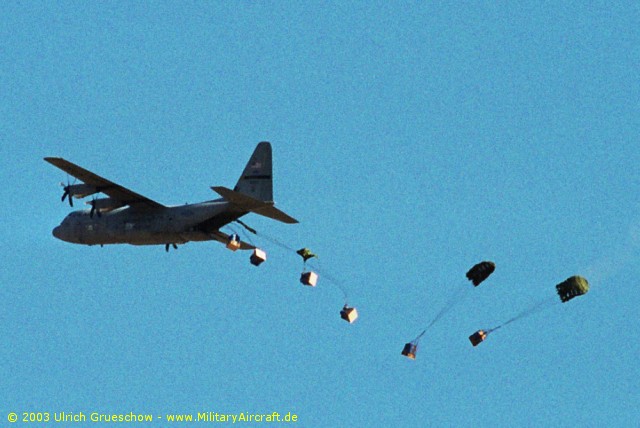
(306, 254)
(572, 287)
(480, 272)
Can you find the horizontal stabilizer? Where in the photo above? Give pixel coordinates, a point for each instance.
(247, 203)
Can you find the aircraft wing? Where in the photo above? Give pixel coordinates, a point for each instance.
(113, 190)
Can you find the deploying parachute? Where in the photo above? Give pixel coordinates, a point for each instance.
(309, 278)
(572, 287)
(480, 272)
(306, 254)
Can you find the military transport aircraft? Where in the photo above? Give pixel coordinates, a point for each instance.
(125, 217)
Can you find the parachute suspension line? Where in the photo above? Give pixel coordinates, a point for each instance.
(457, 297)
(533, 309)
(262, 235)
(275, 241)
(247, 236)
(245, 229)
(269, 238)
(418, 337)
(453, 300)
(332, 280)
(232, 229)
(307, 255)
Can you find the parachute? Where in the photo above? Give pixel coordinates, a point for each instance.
(306, 254)
(480, 272)
(572, 287)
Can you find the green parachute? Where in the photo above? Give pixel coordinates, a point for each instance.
(306, 254)
(572, 287)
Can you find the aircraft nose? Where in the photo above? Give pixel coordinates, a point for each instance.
(56, 232)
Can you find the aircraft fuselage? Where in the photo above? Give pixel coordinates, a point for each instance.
(178, 224)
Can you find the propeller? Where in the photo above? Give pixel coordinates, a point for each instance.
(93, 209)
(67, 192)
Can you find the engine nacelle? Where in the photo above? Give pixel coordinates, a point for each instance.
(80, 191)
(105, 204)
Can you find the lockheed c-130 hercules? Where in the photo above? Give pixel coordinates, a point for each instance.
(125, 217)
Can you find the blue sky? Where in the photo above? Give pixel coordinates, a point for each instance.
(411, 140)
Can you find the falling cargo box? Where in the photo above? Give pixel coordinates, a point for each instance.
(410, 350)
(309, 278)
(477, 337)
(257, 257)
(349, 314)
(233, 243)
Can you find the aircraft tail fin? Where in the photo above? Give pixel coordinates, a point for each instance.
(254, 190)
(256, 180)
(247, 203)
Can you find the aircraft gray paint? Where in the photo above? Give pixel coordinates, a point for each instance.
(125, 217)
